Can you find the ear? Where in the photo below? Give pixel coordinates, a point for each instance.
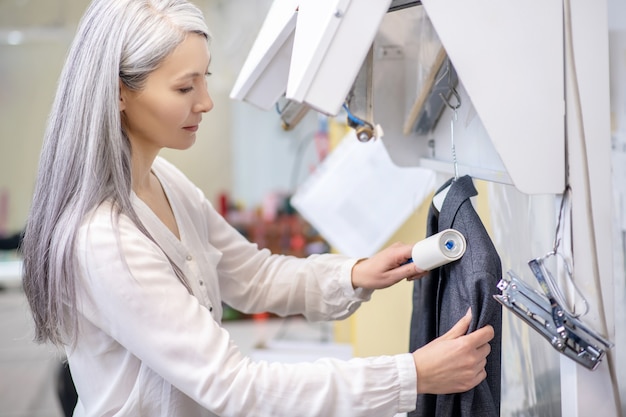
(123, 96)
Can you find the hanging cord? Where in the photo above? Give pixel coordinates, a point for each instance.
(555, 288)
(353, 120)
(571, 64)
(364, 129)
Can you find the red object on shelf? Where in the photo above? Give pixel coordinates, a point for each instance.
(223, 204)
(260, 316)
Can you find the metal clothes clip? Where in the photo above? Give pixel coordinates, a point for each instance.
(565, 332)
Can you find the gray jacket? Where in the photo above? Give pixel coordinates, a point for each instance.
(442, 297)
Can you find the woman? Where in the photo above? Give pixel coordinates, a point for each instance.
(127, 263)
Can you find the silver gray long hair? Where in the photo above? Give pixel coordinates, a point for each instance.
(85, 158)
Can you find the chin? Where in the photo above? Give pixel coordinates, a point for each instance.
(184, 144)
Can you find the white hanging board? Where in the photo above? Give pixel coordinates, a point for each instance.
(331, 42)
(263, 77)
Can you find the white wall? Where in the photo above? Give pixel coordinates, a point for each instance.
(240, 150)
(28, 76)
(617, 42)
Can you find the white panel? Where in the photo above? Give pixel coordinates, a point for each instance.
(399, 79)
(331, 41)
(509, 56)
(594, 393)
(617, 42)
(522, 228)
(263, 77)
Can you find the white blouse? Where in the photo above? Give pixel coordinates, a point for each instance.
(149, 347)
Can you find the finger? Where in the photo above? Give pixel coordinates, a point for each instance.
(412, 271)
(481, 376)
(399, 253)
(481, 336)
(416, 273)
(484, 350)
(401, 272)
(460, 328)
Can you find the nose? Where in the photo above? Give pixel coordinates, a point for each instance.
(204, 103)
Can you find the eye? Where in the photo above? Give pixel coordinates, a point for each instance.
(185, 90)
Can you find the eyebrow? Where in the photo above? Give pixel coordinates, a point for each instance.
(189, 75)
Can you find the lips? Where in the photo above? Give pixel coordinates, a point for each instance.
(191, 128)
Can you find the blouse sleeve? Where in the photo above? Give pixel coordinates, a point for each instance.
(131, 293)
(252, 280)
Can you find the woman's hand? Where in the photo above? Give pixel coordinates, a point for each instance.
(454, 362)
(386, 268)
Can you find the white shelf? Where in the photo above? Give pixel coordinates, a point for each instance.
(473, 171)
(10, 273)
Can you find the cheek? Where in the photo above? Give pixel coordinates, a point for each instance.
(169, 110)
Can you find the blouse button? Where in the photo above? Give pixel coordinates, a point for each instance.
(189, 257)
(201, 282)
(211, 309)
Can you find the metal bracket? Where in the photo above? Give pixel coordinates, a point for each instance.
(567, 334)
(403, 4)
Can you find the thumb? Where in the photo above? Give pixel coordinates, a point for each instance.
(461, 326)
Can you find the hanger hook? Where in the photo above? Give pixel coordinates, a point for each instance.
(456, 96)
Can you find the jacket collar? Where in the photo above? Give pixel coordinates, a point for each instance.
(460, 190)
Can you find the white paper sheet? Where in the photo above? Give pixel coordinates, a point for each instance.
(357, 198)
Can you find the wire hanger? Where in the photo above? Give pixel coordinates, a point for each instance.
(558, 254)
(441, 195)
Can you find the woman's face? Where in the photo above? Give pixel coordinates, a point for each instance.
(167, 111)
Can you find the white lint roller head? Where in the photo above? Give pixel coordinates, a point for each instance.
(440, 249)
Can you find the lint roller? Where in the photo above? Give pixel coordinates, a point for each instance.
(439, 249)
